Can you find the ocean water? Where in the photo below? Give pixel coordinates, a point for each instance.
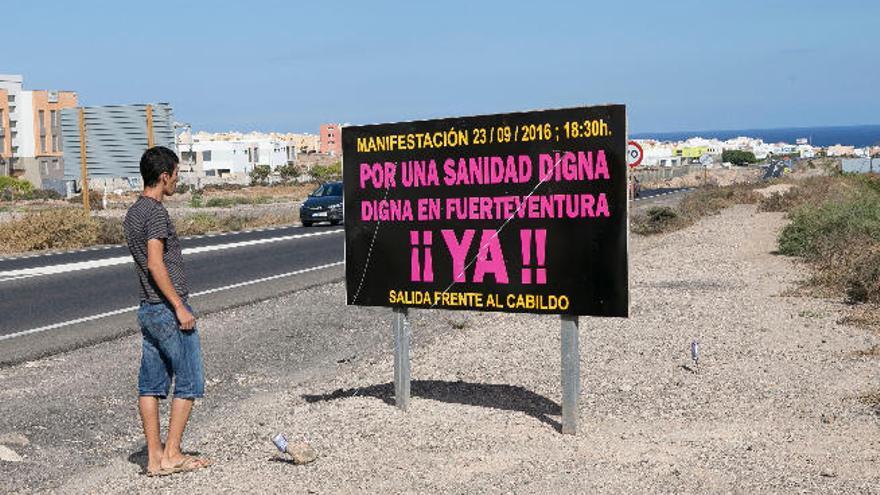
(856, 135)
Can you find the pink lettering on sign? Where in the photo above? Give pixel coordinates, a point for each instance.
(535, 207)
(484, 170)
(378, 175)
(458, 251)
(525, 236)
(419, 252)
(490, 259)
(567, 166)
(419, 173)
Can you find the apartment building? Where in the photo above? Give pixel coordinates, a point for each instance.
(234, 154)
(331, 139)
(30, 131)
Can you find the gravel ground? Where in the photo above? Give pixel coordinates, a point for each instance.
(776, 403)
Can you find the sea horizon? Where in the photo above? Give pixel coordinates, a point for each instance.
(853, 135)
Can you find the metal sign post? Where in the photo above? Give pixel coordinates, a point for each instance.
(401, 358)
(571, 378)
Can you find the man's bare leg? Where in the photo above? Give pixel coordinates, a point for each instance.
(149, 409)
(180, 411)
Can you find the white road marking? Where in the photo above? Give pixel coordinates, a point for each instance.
(121, 260)
(111, 246)
(196, 294)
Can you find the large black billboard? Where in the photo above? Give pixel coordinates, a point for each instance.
(517, 212)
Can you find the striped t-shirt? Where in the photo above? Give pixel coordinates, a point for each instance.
(148, 219)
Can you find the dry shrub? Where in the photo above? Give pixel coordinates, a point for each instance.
(110, 231)
(55, 228)
(204, 223)
(865, 315)
(872, 400)
(781, 201)
(812, 190)
(838, 232)
(705, 201)
(658, 219)
(95, 200)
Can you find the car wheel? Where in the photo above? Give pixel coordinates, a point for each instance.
(335, 222)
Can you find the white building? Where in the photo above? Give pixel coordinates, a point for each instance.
(658, 154)
(234, 154)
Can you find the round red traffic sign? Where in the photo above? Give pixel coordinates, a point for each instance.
(634, 154)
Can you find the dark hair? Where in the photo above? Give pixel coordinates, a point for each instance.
(154, 162)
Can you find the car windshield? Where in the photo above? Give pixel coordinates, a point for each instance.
(334, 189)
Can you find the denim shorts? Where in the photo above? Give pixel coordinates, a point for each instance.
(169, 353)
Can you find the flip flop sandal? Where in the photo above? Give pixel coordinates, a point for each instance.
(189, 463)
(160, 472)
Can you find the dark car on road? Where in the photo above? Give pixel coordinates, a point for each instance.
(323, 205)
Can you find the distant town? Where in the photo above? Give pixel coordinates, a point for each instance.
(32, 147)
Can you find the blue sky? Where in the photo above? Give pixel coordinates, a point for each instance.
(288, 66)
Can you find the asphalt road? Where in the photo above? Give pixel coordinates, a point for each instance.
(647, 194)
(59, 301)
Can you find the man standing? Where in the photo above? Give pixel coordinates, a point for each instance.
(171, 348)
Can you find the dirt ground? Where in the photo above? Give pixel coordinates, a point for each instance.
(784, 398)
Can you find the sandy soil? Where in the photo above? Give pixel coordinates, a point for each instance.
(780, 402)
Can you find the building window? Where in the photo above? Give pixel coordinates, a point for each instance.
(206, 156)
(43, 143)
(42, 119)
(53, 116)
(11, 98)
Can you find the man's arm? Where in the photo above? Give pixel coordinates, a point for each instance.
(159, 272)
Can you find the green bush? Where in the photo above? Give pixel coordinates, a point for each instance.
(327, 173)
(195, 201)
(738, 157)
(260, 174)
(12, 188)
(289, 172)
(813, 225)
(221, 202)
(17, 185)
(838, 232)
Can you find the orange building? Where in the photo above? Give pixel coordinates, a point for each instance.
(5, 138)
(331, 139)
(30, 131)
